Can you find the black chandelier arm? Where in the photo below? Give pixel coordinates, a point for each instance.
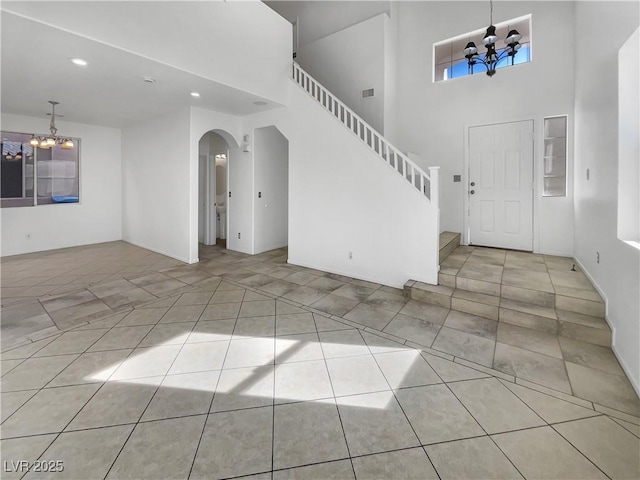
(480, 61)
(499, 56)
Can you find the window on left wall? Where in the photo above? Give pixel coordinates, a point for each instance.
(32, 176)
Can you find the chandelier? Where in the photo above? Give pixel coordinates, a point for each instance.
(492, 57)
(51, 140)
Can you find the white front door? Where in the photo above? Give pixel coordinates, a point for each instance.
(501, 185)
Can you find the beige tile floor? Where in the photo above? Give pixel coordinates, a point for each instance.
(533, 291)
(245, 365)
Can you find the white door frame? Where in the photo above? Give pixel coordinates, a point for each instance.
(210, 213)
(467, 187)
(227, 198)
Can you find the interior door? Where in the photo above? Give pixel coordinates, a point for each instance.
(501, 185)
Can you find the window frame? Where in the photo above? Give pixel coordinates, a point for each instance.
(35, 200)
(546, 138)
(468, 35)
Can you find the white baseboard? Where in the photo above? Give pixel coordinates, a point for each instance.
(337, 272)
(623, 364)
(184, 260)
(598, 289)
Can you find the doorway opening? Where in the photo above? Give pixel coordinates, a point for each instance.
(213, 175)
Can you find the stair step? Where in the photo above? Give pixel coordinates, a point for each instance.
(579, 305)
(446, 280)
(543, 299)
(432, 294)
(535, 316)
(585, 320)
(478, 286)
(475, 308)
(449, 241)
(529, 320)
(479, 304)
(530, 308)
(584, 328)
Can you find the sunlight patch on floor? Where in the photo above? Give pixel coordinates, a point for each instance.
(251, 381)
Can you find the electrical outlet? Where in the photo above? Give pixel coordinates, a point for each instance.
(238, 236)
(597, 257)
(350, 255)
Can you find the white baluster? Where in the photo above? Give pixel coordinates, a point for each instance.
(427, 184)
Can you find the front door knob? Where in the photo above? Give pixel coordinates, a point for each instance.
(473, 184)
(472, 192)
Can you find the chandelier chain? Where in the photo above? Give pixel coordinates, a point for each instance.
(490, 12)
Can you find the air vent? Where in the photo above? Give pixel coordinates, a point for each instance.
(368, 93)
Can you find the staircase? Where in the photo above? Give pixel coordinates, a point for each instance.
(425, 183)
(570, 308)
(449, 241)
(374, 195)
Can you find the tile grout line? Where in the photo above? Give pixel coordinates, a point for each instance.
(208, 414)
(420, 444)
(576, 448)
(543, 393)
(335, 402)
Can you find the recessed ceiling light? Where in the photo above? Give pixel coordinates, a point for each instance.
(148, 80)
(195, 94)
(79, 61)
(260, 102)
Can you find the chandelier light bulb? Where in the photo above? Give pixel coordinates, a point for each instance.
(492, 57)
(490, 37)
(512, 37)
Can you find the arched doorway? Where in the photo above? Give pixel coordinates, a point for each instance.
(213, 158)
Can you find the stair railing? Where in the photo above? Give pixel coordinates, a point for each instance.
(425, 183)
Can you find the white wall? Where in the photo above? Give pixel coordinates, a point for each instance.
(317, 19)
(433, 117)
(271, 161)
(596, 112)
(349, 61)
(96, 219)
(240, 204)
(390, 100)
(343, 198)
(161, 182)
(629, 140)
(156, 185)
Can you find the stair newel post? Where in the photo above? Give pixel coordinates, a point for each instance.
(434, 183)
